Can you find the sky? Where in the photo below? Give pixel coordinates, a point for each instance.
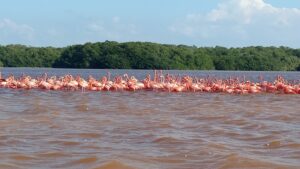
(228, 23)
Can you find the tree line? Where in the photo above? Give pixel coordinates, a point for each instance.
(146, 55)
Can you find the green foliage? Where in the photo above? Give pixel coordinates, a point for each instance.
(22, 56)
(146, 55)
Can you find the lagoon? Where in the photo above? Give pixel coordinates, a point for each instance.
(141, 130)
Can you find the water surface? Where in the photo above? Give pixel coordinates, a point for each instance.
(148, 130)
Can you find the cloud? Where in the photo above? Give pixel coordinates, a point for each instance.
(113, 29)
(242, 22)
(11, 30)
(96, 27)
(116, 19)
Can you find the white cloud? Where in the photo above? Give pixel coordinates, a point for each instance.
(242, 22)
(12, 30)
(116, 19)
(95, 27)
(112, 29)
(52, 32)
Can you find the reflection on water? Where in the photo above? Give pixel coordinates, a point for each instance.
(140, 130)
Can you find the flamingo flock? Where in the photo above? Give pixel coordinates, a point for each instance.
(160, 82)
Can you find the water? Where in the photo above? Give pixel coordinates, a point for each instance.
(148, 130)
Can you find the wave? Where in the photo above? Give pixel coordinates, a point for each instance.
(114, 165)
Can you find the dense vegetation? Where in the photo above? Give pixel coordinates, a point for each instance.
(22, 56)
(145, 55)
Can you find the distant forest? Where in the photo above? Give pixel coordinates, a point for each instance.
(146, 55)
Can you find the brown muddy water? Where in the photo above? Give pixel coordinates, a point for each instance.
(147, 130)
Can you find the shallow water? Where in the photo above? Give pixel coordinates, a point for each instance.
(148, 130)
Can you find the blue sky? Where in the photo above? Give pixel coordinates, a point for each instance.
(229, 23)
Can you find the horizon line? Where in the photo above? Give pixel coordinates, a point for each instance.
(181, 44)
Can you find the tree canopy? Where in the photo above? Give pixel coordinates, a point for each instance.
(146, 55)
